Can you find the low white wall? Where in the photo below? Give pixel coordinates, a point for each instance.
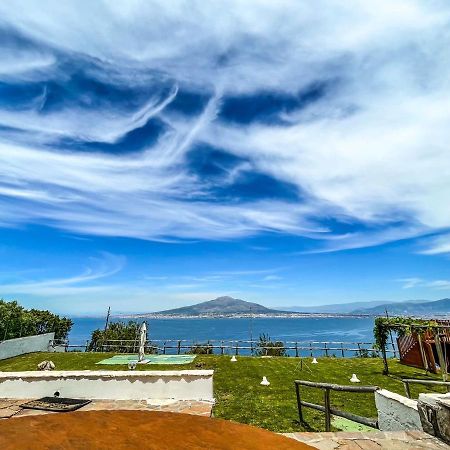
(114, 385)
(396, 412)
(29, 344)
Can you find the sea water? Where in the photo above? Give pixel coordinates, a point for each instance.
(324, 329)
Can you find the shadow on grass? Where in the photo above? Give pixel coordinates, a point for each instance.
(305, 426)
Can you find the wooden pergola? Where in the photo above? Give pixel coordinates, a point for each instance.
(422, 330)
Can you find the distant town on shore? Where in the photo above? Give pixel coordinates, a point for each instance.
(229, 307)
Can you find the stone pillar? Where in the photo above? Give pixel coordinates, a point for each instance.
(434, 412)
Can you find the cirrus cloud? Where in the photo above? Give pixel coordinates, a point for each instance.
(345, 105)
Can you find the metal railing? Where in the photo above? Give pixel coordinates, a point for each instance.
(407, 381)
(327, 408)
(249, 347)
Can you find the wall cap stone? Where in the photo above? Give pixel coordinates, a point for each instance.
(106, 374)
(409, 402)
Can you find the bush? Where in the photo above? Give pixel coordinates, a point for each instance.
(118, 331)
(16, 321)
(266, 347)
(199, 349)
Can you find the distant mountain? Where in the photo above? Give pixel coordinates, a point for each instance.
(229, 306)
(220, 305)
(438, 307)
(346, 308)
(337, 308)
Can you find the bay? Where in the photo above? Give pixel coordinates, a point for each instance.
(323, 329)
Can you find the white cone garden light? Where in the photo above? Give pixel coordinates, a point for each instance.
(354, 379)
(265, 382)
(314, 361)
(233, 358)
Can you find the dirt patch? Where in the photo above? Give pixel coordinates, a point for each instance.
(106, 430)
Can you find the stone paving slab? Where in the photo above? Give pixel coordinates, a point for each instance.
(10, 408)
(376, 440)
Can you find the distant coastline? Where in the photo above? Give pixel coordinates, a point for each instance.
(244, 316)
(227, 307)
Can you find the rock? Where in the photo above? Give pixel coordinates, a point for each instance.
(46, 365)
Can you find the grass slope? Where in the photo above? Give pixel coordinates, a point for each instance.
(238, 392)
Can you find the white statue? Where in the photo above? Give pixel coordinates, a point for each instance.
(142, 341)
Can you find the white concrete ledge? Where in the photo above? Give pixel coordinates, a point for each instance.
(23, 345)
(396, 412)
(109, 384)
(105, 373)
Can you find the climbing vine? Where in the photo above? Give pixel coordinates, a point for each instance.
(402, 326)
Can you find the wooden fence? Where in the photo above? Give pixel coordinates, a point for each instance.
(407, 381)
(242, 347)
(327, 408)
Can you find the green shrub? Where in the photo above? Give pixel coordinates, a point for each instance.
(267, 347)
(201, 349)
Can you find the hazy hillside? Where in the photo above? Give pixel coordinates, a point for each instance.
(342, 308)
(410, 308)
(220, 305)
(350, 308)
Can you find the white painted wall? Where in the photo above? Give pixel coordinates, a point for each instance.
(29, 344)
(114, 385)
(396, 412)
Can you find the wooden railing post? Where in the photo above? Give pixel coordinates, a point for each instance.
(327, 410)
(299, 403)
(326, 349)
(408, 381)
(179, 347)
(407, 389)
(342, 349)
(422, 352)
(237, 348)
(221, 348)
(296, 349)
(442, 361)
(310, 349)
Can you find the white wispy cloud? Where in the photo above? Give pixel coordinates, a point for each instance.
(272, 278)
(372, 150)
(409, 283)
(99, 269)
(437, 245)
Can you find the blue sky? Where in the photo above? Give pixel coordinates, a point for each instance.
(154, 154)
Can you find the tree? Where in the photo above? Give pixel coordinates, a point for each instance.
(16, 321)
(122, 337)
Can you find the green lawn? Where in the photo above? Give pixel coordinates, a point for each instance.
(238, 392)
